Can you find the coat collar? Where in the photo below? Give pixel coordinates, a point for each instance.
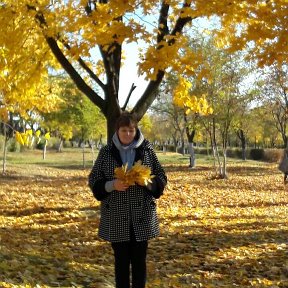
(138, 155)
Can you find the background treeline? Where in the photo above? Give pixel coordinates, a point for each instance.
(249, 116)
(249, 119)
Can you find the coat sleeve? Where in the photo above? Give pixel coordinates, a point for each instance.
(160, 180)
(96, 179)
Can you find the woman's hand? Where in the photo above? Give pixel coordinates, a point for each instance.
(119, 185)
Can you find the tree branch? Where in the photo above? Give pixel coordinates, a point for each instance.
(149, 94)
(86, 68)
(112, 63)
(68, 67)
(162, 23)
(182, 21)
(128, 97)
(80, 83)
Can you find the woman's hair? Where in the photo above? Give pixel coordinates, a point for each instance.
(126, 119)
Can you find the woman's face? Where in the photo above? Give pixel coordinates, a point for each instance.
(126, 134)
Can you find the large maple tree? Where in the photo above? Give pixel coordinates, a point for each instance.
(77, 32)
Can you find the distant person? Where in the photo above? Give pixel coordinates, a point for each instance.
(128, 214)
(283, 167)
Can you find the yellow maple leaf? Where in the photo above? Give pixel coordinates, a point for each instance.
(47, 136)
(122, 173)
(19, 138)
(37, 133)
(141, 174)
(138, 174)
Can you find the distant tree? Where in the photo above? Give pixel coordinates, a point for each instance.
(224, 94)
(76, 117)
(274, 91)
(146, 125)
(173, 115)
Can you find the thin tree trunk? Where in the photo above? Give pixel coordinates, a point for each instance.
(93, 152)
(192, 155)
(224, 170)
(60, 146)
(183, 148)
(216, 152)
(241, 136)
(190, 136)
(44, 150)
(83, 154)
(4, 150)
(164, 147)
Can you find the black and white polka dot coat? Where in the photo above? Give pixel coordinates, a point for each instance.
(134, 208)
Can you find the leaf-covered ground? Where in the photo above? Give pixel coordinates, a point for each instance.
(214, 233)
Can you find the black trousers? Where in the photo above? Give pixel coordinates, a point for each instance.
(130, 253)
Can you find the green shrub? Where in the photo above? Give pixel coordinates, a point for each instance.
(67, 144)
(203, 150)
(13, 146)
(170, 148)
(234, 153)
(40, 145)
(257, 154)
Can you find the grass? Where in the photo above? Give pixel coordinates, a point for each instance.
(69, 157)
(73, 157)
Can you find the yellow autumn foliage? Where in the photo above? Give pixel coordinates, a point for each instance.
(34, 32)
(47, 136)
(3, 114)
(182, 97)
(27, 138)
(19, 138)
(138, 174)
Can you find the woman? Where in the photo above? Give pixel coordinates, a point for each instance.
(128, 214)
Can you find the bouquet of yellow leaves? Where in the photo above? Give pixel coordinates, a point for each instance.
(138, 174)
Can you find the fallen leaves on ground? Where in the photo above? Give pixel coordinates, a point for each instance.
(214, 233)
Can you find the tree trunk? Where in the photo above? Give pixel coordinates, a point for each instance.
(244, 153)
(60, 146)
(218, 169)
(183, 147)
(192, 155)
(285, 140)
(45, 149)
(190, 136)
(175, 143)
(83, 154)
(164, 147)
(93, 151)
(241, 135)
(224, 170)
(4, 150)
(111, 120)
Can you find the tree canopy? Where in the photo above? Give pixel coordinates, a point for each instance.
(86, 38)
